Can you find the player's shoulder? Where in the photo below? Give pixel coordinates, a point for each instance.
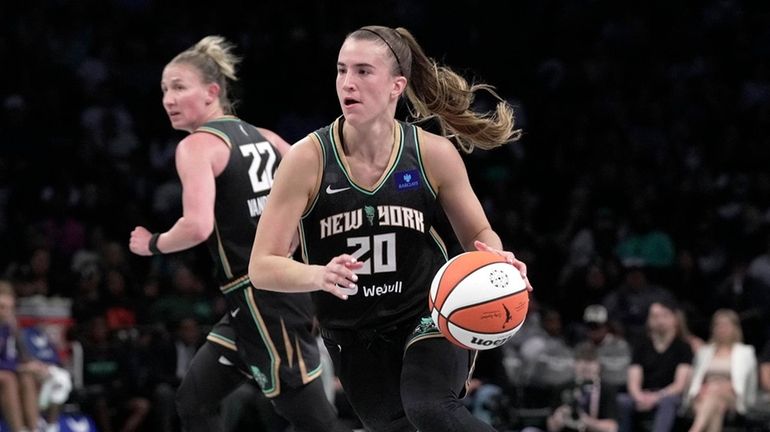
(432, 142)
(304, 153)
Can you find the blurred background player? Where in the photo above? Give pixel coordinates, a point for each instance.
(226, 169)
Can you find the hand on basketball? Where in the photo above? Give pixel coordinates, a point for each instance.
(339, 277)
(140, 241)
(509, 257)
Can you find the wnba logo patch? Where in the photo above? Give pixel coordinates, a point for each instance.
(407, 179)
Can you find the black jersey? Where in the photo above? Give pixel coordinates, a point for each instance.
(389, 228)
(242, 189)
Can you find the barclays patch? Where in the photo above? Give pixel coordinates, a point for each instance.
(407, 179)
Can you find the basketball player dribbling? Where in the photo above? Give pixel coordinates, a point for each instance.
(366, 229)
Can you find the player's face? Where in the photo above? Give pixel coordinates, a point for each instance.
(366, 88)
(186, 98)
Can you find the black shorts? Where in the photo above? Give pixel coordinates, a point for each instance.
(370, 364)
(273, 335)
(222, 335)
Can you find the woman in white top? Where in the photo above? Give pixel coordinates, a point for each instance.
(725, 374)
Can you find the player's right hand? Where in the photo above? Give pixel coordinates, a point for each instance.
(339, 277)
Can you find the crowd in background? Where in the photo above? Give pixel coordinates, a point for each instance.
(642, 173)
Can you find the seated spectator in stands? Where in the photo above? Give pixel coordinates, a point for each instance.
(547, 360)
(108, 385)
(659, 371)
(9, 382)
(45, 384)
(186, 299)
(119, 304)
(645, 240)
(764, 369)
(613, 351)
(630, 303)
(587, 405)
(170, 358)
(724, 376)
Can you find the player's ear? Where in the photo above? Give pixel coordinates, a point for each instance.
(399, 86)
(212, 93)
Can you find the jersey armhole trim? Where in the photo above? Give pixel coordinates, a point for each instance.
(417, 133)
(216, 132)
(319, 179)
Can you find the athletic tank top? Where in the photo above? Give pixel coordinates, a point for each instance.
(388, 227)
(241, 191)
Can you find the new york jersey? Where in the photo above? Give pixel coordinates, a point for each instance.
(242, 190)
(388, 227)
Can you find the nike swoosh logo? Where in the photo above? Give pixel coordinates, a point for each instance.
(223, 360)
(331, 191)
(235, 312)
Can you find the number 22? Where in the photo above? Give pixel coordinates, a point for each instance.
(262, 165)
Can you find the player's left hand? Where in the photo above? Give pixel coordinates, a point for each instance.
(509, 257)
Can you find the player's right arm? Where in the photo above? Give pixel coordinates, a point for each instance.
(293, 188)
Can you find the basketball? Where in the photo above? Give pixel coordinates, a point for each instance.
(478, 301)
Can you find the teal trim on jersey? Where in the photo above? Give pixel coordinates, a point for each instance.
(222, 341)
(304, 216)
(315, 372)
(323, 164)
(420, 163)
(228, 289)
(440, 243)
(223, 136)
(384, 179)
(302, 242)
(273, 390)
(226, 119)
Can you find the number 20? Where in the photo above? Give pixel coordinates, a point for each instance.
(383, 252)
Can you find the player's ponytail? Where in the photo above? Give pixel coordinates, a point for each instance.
(436, 91)
(214, 58)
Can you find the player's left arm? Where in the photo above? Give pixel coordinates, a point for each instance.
(447, 174)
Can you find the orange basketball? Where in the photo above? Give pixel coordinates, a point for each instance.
(478, 301)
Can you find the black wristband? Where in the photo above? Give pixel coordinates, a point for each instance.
(153, 246)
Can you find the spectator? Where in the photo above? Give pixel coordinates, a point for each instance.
(170, 358)
(660, 368)
(547, 360)
(9, 381)
(613, 351)
(630, 303)
(764, 369)
(46, 384)
(724, 376)
(589, 404)
(107, 381)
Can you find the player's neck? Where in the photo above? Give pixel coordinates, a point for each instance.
(371, 141)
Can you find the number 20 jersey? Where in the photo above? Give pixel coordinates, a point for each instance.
(388, 227)
(242, 190)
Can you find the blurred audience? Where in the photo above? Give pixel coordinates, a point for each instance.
(724, 375)
(659, 372)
